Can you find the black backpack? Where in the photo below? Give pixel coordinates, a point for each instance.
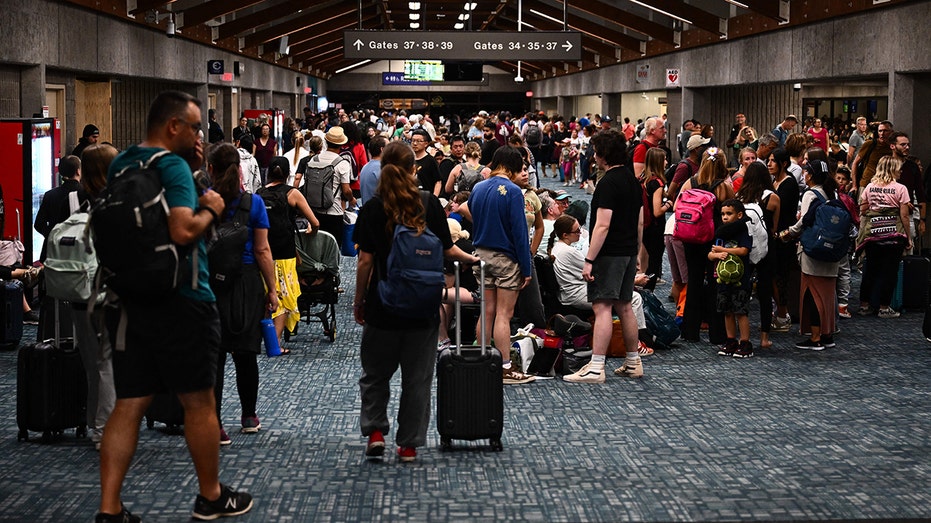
(280, 214)
(130, 225)
(224, 251)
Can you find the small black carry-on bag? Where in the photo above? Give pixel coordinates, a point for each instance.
(469, 386)
(51, 386)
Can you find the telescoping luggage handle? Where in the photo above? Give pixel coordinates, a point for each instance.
(482, 344)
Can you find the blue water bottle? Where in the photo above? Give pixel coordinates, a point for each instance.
(272, 348)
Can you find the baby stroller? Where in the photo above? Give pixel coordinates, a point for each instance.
(318, 274)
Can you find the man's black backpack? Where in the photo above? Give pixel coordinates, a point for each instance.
(225, 249)
(131, 235)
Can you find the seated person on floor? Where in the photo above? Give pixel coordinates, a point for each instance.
(29, 276)
(568, 263)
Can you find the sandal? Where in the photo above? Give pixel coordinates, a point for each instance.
(285, 352)
(643, 350)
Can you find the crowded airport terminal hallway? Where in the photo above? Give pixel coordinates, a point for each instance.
(840, 434)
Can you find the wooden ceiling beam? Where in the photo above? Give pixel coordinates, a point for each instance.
(623, 18)
(594, 30)
(206, 11)
(296, 24)
(145, 5)
(699, 18)
(266, 16)
(768, 8)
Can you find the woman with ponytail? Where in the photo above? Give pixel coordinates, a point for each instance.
(295, 155)
(242, 298)
(282, 203)
(389, 340)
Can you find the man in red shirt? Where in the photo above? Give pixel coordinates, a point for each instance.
(628, 129)
(656, 133)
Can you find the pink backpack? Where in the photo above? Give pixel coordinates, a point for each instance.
(695, 214)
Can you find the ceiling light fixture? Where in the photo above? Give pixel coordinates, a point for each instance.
(543, 15)
(415, 25)
(463, 17)
(353, 66)
(470, 6)
(660, 11)
(414, 16)
(414, 6)
(459, 25)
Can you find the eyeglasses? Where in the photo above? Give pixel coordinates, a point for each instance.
(576, 231)
(418, 141)
(194, 126)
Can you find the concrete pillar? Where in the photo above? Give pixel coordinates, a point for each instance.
(902, 106)
(611, 106)
(202, 93)
(674, 118)
(564, 106)
(694, 105)
(32, 90)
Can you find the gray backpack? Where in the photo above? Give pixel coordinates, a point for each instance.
(318, 183)
(468, 177)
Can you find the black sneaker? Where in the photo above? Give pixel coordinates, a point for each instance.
(828, 341)
(31, 317)
(744, 350)
(122, 517)
(230, 503)
(809, 344)
(728, 349)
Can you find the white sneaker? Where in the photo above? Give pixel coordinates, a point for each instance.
(586, 375)
(888, 313)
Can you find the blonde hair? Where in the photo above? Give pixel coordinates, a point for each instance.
(887, 170)
(298, 139)
(473, 150)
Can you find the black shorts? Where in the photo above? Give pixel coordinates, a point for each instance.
(171, 346)
(614, 278)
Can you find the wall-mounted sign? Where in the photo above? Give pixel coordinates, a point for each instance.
(643, 73)
(672, 78)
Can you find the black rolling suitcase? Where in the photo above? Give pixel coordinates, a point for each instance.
(469, 387)
(915, 273)
(166, 408)
(51, 388)
(11, 314)
(55, 313)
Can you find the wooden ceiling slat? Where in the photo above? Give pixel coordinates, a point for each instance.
(266, 16)
(700, 18)
(594, 30)
(767, 8)
(296, 24)
(144, 5)
(543, 24)
(623, 18)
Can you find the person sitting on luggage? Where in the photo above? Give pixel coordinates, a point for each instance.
(568, 263)
(245, 300)
(468, 292)
(390, 340)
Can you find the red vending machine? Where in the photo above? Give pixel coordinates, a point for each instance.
(30, 150)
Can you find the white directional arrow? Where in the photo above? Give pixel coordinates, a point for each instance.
(567, 45)
(358, 44)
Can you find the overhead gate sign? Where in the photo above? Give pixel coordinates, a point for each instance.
(463, 45)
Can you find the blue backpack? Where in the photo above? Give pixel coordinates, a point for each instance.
(414, 284)
(827, 230)
(661, 324)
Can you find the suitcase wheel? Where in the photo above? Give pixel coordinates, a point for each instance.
(149, 423)
(47, 436)
(446, 444)
(80, 432)
(496, 445)
(23, 435)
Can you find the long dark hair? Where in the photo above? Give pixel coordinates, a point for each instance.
(398, 189)
(224, 158)
(756, 180)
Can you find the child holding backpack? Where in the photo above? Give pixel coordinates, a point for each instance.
(731, 252)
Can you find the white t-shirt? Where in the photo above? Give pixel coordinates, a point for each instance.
(568, 264)
(301, 153)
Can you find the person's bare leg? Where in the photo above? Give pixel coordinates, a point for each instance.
(117, 449)
(504, 310)
(202, 432)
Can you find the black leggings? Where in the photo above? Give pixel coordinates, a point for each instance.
(701, 296)
(247, 381)
(764, 291)
(880, 270)
(655, 245)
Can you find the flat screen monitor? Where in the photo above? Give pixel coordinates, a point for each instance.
(423, 70)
